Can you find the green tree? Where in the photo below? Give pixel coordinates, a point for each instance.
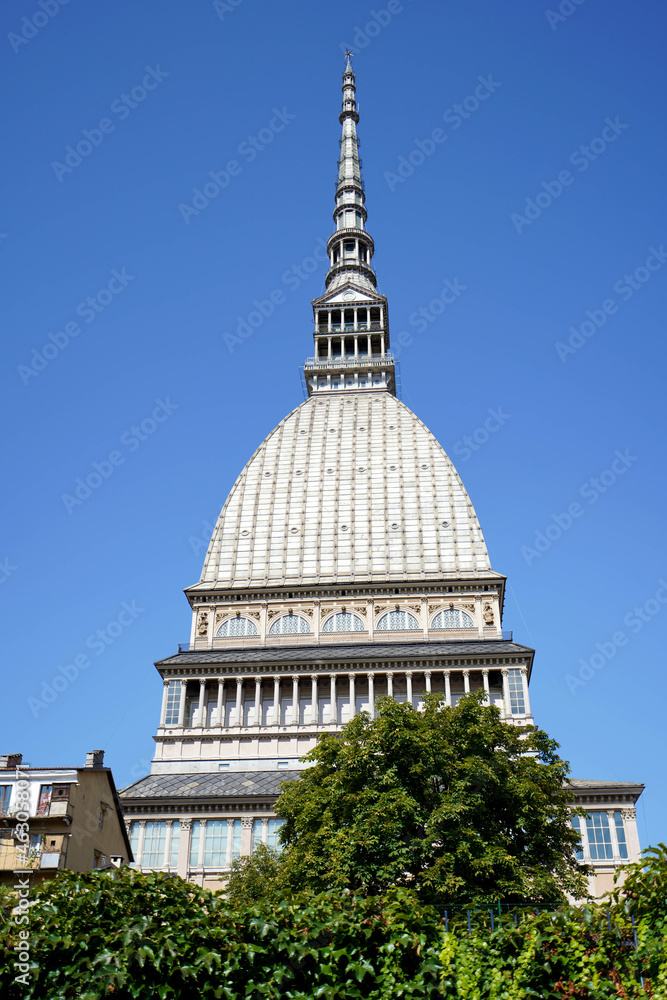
(451, 802)
(260, 876)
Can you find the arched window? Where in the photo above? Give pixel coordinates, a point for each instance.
(397, 620)
(237, 626)
(290, 625)
(452, 618)
(344, 622)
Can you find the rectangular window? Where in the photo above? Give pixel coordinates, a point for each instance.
(515, 684)
(175, 841)
(173, 703)
(44, 800)
(576, 825)
(599, 836)
(256, 834)
(195, 844)
(236, 839)
(215, 843)
(154, 844)
(5, 797)
(274, 828)
(620, 835)
(134, 842)
(285, 710)
(35, 843)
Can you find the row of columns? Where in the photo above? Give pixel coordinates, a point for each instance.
(349, 357)
(329, 328)
(238, 711)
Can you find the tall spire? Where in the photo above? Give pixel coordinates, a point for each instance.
(350, 213)
(351, 327)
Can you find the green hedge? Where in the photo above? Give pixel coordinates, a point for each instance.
(130, 935)
(126, 935)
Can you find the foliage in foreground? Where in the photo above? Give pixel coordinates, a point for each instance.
(454, 803)
(126, 935)
(588, 951)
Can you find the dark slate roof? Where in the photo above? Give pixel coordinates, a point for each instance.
(204, 785)
(336, 653)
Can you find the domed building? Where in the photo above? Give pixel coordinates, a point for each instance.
(347, 564)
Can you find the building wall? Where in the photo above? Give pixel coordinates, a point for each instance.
(64, 809)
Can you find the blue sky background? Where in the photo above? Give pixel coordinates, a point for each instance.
(140, 537)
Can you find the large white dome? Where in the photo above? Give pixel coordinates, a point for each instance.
(348, 487)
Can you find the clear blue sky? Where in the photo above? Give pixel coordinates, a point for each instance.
(199, 82)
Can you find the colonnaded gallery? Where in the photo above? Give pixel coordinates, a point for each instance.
(347, 564)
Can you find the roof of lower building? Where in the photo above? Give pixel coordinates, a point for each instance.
(266, 784)
(350, 651)
(201, 785)
(590, 785)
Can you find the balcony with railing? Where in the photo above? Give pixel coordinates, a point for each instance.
(349, 327)
(347, 638)
(374, 361)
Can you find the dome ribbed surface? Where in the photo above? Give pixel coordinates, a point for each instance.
(348, 487)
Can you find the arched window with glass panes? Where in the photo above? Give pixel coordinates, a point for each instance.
(452, 618)
(396, 620)
(236, 627)
(290, 625)
(344, 622)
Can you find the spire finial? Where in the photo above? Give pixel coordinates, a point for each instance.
(351, 331)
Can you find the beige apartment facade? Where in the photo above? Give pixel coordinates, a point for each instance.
(57, 818)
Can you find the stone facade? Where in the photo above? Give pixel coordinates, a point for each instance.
(347, 564)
